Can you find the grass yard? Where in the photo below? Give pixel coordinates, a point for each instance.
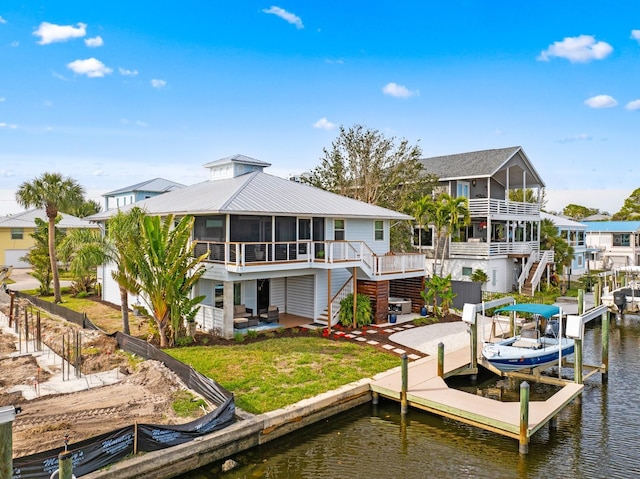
(274, 373)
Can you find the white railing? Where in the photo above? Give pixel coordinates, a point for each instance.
(533, 257)
(494, 206)
(312, 253)
(546, 257)
(209, 318)
(492, 249)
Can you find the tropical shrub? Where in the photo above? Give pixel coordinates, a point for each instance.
(364, 312)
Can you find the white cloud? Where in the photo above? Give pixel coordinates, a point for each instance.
(15, 43)
(635, 34)
(292, 18)
(337, 62)
(91, 67)
(155, 83)
(126, 121)
(99, 173)
(324, 124)
(581, 49)
(2, 20)
(128, 73)
(94, 42)
(601, 101)
(578, 137)
(8, 125)
(2, 99)
(633, 105)
(398, 91)
(50, 33)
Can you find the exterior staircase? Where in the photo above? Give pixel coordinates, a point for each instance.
(528, 287)
(345, 290)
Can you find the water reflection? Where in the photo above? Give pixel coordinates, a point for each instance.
(595, 439)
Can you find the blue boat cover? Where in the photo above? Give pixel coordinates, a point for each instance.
(546, 310)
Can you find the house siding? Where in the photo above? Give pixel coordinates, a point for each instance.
(363, 230)
(278, 293)
(300, 298)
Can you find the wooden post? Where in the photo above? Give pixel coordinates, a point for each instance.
(7, 415)
(580, 301)
(11, 296)
(355, 297)
(598, 293)
(474, 343)
(65, 465)
(605, 347)
(512, 324)
(578, 361)
(524, 418)
(404, 405)
(375, 398)
(440, 360)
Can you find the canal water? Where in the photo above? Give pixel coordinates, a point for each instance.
(599, 438)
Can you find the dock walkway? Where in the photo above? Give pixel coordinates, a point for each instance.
(427, 391)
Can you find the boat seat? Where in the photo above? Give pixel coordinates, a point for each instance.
(520, 343)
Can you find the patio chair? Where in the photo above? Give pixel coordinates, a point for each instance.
(272, 315)
(241, 311)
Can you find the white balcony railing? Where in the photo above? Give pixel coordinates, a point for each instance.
(484, 207)
(321, 254)
(497, 248)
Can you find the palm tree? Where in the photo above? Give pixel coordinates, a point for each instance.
(122, 232)
(53, 192)
(451, 213)
(85, 250)
(166, 272)
(550, 239)
(423, 212)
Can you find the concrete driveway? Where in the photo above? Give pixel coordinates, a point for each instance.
(24, 280)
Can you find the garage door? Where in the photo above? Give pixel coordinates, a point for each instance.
(11, 257)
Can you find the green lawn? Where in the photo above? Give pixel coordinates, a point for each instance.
(274, 373)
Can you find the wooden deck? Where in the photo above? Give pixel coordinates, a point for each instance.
(429, 392)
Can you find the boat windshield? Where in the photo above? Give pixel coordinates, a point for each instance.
(546, 310)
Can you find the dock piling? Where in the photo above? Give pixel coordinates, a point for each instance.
(605, 347)
(524, 418)
(404, 405)
(441, 360)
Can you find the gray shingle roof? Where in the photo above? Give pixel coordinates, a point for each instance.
(156, 185)
(257, 193)
(26, 219)
(480, 164)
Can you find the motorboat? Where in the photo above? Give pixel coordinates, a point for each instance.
(626, 297)
(530, 348)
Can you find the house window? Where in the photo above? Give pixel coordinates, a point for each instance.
(463, 189)
(581, 238)
(378, 228)
(17, 233)
(579, 258)
(621, 239)
(425, 240)
(467, 271)
(338, 230)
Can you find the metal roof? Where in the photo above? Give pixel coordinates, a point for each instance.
(562, 221)
(612, 226)
(257, 193)
(156, 185)
(484, 164)
(237, 159)
(27, 219)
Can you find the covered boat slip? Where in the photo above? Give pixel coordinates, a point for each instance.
(427, 391)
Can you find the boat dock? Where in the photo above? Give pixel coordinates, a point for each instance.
(427, 390)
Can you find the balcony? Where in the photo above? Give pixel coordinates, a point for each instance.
(308, 254)
(497, 248)
(485, 207)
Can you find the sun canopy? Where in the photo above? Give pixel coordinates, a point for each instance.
(546, 310)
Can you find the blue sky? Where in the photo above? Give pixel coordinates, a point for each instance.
(114, 93)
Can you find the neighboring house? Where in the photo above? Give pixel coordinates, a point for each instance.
(503, 238)
(613, 244)
(16, 231)
(574, 233)
(274, 242)
(138, 192)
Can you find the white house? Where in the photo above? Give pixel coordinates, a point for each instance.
(503, 238)
(271, 241)
(138, 192)
(574, 233)
(613, 244)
